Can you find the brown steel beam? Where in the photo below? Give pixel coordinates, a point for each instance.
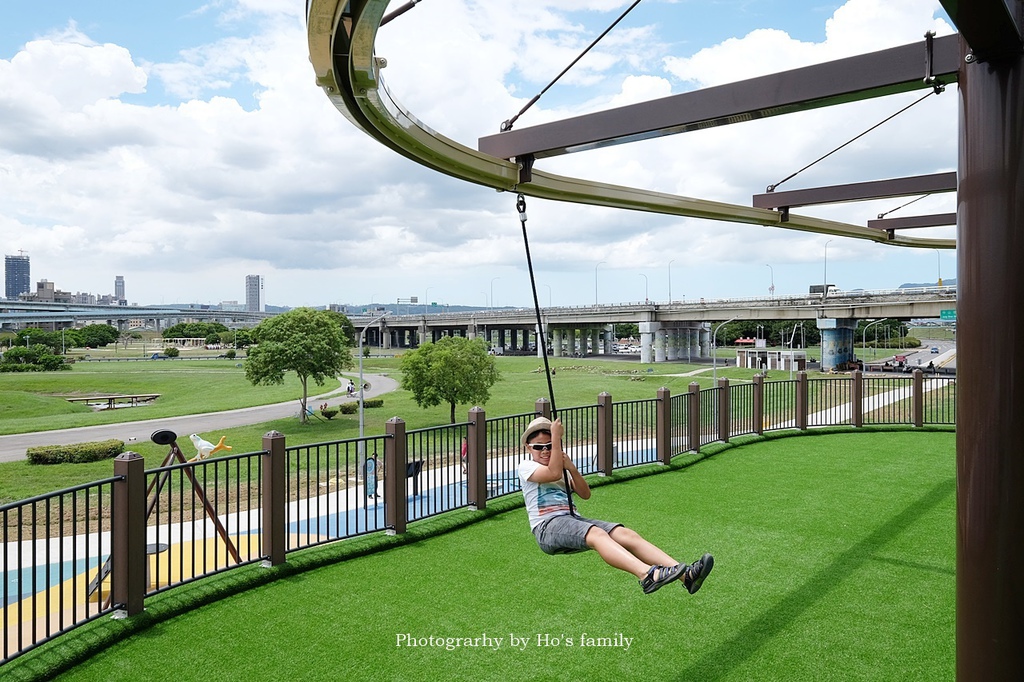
(992, 28)
(859, 191)
(931, 220)
(886, 72)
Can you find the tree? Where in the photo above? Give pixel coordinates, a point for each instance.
(96, 335)
(453, 370)
(308, 342)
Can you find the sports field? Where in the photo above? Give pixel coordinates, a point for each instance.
(834, 561)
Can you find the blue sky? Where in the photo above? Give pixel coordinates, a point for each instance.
(185, 145)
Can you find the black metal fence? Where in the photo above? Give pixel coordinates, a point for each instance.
(78, 554)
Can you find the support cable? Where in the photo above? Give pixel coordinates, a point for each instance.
(541, 336)
(400, 11)
(507, 125)
(893, 210)
(771, 188)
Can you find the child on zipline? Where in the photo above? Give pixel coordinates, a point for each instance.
(559, 530)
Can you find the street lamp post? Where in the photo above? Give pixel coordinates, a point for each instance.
(595, 280)
(492, 291)
(647, 296)
(426, 298)
(714, 348)
(670, 281)
(361, 384)
(549, 294)
(864, 338)
(824, 285)
(771, 289)
(938, 265)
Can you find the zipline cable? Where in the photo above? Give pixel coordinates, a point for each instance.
(507, 125)
(771, 188)
(541, 336)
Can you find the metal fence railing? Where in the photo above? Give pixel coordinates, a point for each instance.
(77, 554)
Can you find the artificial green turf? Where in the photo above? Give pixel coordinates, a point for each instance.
(834, 561)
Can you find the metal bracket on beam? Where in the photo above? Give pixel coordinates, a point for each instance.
(929, 77)
(525, 165)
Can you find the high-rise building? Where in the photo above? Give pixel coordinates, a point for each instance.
(17, 279)
(119, 287)
(254, 294)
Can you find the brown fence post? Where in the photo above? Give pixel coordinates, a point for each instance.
(663, 427)
(759, 404)
(476, 459)
(918, 398)
(694, 417)
(274, 474)
(857, 398)
(724, 413)
(605, 434)
(542, 408)
(128, 535)
(396, 505)
(801, 400)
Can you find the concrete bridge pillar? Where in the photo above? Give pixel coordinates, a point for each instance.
(660, 345)
(609, 339)
(705, 341)
(672, 344)
(837, 337)
(595, 341)
(542, 341)
(556, 343)
(647, 332)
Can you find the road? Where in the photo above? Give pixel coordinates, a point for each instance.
(13, 447)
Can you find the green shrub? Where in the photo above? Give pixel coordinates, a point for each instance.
(230, 355)
(171, 352)
(353, 407)
(329, 413)
(76, 453)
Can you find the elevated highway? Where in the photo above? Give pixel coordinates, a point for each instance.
(668, 330)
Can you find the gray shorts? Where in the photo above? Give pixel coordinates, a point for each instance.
(565, 533)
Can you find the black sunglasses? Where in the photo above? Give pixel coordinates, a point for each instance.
(540, 447)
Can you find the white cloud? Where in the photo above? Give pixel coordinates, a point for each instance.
(186, 197)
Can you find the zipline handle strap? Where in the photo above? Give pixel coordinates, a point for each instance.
(541, 336)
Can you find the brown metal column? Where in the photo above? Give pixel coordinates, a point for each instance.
(990, 375)
(274, 485)
(724, 410)
(605, 434)
(663, 428)
(128, 535)
(476, 459)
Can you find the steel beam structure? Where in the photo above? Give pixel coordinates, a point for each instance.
(931, 220)
(886, 72)
(859, 191)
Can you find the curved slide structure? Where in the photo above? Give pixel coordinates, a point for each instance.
(341, 35)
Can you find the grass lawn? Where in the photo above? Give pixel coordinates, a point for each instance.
(34, 401)
(834, 561)
(28, 403)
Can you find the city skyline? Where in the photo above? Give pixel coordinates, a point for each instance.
(187, 146)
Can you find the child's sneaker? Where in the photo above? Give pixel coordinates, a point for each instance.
(666, 574)
(694, 574)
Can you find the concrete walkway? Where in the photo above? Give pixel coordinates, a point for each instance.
(13, 447)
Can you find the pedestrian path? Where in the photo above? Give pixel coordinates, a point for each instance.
(13, 446)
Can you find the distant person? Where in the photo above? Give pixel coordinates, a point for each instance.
(560, 531)
(372, 467)
(464, 452)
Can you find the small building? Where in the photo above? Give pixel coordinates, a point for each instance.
(763, 358)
